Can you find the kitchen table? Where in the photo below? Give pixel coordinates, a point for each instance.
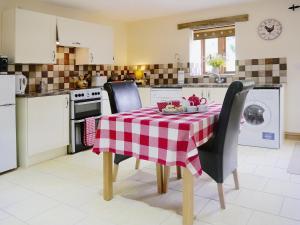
(169, 140)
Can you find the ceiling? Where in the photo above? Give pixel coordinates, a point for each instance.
(130, 10)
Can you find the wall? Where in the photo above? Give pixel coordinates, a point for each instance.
(157, 41)
(118, 26)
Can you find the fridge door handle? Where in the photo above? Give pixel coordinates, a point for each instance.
(7, 105)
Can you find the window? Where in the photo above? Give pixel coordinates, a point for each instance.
(223, 46)
(216, 41)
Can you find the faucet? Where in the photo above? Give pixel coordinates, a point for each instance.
(218, 79)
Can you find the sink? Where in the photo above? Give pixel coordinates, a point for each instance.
(220, 80)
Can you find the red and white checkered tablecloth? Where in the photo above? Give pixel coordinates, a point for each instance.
(149, 135)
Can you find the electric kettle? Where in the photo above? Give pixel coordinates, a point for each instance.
(21, 83)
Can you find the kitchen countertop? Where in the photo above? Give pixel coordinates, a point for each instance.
(43, 94)
(50, 93)
(204, 85)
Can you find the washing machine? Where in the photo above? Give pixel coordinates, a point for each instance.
(262, 123)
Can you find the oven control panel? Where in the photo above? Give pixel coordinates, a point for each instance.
(85, 94)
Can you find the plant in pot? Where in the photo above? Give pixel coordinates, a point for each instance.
(216, 62)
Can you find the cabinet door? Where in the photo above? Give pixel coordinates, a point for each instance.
(8, 152)
(73, 33)
(217, 94)
(102, 47)
(145, 96)
(35, 37)
(165, 94)
(189, 91)
(48, 123)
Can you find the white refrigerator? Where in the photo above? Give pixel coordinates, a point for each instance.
(8, 150)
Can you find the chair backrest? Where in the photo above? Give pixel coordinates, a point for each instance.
(228, 127)
(123, 96)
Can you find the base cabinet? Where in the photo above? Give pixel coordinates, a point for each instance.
(42, 128)
(145, 96)
(216, 94)
(165, 95)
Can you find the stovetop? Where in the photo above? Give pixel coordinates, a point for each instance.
(85, 94)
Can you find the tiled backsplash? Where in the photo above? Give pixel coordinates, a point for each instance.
(270, 70)
(64, 74)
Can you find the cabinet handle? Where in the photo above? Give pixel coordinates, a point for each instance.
(92, 58)
(76, 43)
(54, 56)
(67, 103)
(209, 95)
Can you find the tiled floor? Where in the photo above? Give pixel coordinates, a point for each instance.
(67, 191)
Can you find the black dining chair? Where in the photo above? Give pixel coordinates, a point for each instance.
(218, 156)
(123, 97)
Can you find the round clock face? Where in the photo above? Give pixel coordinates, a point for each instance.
(269, 29)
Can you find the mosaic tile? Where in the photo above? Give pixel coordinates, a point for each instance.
(65, 72)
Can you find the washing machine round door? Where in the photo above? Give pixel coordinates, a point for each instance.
(256, 115)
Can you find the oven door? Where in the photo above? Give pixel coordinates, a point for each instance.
(85, 108)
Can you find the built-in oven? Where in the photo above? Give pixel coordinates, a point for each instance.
(84, 104)
(82, 109)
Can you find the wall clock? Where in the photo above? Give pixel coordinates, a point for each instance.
(269, 29)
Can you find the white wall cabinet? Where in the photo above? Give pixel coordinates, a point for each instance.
(29, 37)
(73, 33)
(43, 127)
(100, 47)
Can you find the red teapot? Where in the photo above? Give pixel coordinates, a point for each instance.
(194, 100)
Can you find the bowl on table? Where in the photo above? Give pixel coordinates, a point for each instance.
(162, 105)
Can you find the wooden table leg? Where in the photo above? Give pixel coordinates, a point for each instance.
(107, 176)
(178, 170)
(137, 164)
(159, 176)
(166, 178)
(188, 198)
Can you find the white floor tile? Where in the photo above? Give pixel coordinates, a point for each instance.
(244, 167)
(3, 215)
(31, 207)
(210, 191)
(5, 184)
(142, 214)
(232, 215)
(177, 220)
(14, 195)
(295, 178)
(259, 218)
(290, 208)
(94, 221)
(61, 215)
(68, 190)
(12, 221)
(273, 173)
(249, 181)
(259, 201)
(283, 188)
(46, 184)
(76, 196)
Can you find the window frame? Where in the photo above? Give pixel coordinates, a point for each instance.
(221, 51)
